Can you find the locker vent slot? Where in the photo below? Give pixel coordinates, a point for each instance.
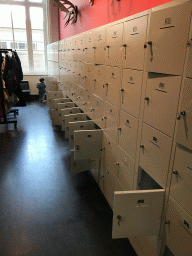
(134, 34)
(168, 27)
(154, 144)
(160, 90)
(190, 168)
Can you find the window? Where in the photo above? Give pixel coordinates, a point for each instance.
(23, 27)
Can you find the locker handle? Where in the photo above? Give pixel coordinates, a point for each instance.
(151, 48)
(142, 146)
(183, 113)
(147, 98)
(119, 219)
(175, 172)
(167, 222)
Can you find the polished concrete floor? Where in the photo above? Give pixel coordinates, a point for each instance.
(44, 211)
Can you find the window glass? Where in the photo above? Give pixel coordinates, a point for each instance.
(39, 60)
(6, 34)
(23, 55)
(36, 1)
(19, 21)
(20, 35)
(5, 16)
(36, 14)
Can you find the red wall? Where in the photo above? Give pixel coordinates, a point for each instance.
(103, 12)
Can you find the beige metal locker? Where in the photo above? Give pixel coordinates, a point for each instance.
(78, 166)
(53, 95)
(133, 43)
(155, 150)
(111, 120)
(88, 144)
(127, 132)
(167, 40)
(98, 105)
(114, 39)
(161, 103)
(181, 190)
(112, 87)
(100, 55)
(79, 126)
(90, 47)
(100, 81)
(73, 118)
(131, 91)
(125, 172)
(57, 119)
(89, 80)
(68, 111)
(81, 74)
(184, 130)
(178, 230)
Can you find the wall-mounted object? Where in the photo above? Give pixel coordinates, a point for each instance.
(91, 2)
(70, 11)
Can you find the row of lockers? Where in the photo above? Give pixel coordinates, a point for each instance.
(125, 44)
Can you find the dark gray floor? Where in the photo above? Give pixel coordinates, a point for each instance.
(43, 209)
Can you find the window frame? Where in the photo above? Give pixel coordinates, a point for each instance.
(27, 4)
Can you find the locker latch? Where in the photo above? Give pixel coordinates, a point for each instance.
(77, 147)
(119, 219)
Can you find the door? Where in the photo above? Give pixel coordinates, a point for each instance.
(73, 118)
(137, 213)
(184, 129)
(88, 144)
(100, 81)
(78, 166)
(134, 40)
(99, 37)
(167, 41)
(68, 111)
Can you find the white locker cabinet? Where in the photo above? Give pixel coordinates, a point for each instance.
(112, 87)
(88, 104)
(100, 81)
(81, 74)
(161, 102)
(155, 150)
(60, 100)
(134, 38)
(127, 132)
(131, 91)
(52, 95)
(56, 119)
(111, 120)
(68, 111)
(89, 77)
(109, 160)
(167, 40)
(178, 230)
(90, 47)
(98, 105)
(73, 118)
(184, 130)
(114, 39)
(79, 125)
(60, 106)
(125, 172)
(99, 36)
(181, 190)
(137, 213)
(81, 48)
(88, 144)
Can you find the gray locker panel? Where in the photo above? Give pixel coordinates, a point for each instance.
(184, 130)
(168, 35)
(155, 154)
(161, 103)
(128, 130)
(131, 91)
(88, 144)
(181, 190)
(134, 40)
(178, 229)
(137, 213)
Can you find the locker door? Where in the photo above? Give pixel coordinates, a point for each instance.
(167, 41)
(114, 44)
(98, 104)
(184, 130)
(100, 55)
(73, 118)
(111, 121)
(79, 125)
(161, 102)
(125, 172)
(131, 91)
(68, 111)
(89, 80)
(180, 189)
(90, 47)
(113, 85)
(134, 40)
(128, 133)
(100, 81)
(137, 213)
(81, 74)
(78, 166)
(155, 154)
(88, 144)
(88, 105)
(178, 232)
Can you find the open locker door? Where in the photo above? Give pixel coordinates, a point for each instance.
(137, 213)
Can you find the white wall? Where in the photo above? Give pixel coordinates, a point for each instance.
(33, 80)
